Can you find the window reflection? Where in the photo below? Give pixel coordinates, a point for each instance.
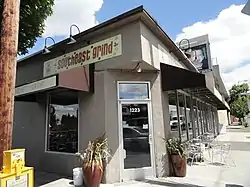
(133, 91)
(173, 114)
(136, 135)
(189, 113)
(62, 131)
(182, 117)
(194, 118)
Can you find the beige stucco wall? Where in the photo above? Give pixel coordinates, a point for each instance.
(154, 51)
(99, 110)
(160, 129)
(223, 117)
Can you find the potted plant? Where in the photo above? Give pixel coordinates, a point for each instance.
(177, 157)
(94, 160)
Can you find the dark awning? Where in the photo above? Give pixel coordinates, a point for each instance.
(197, 84)
(74, 80)
(177, 78)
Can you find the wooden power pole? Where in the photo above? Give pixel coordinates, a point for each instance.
(8, 60)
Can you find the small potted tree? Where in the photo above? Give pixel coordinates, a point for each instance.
(94, 160)
(177, 157)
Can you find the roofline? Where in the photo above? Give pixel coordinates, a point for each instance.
(92, 29)
(176, 48)
(137, 10)
(220, 80)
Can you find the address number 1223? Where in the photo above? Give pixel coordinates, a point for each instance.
(134, 109)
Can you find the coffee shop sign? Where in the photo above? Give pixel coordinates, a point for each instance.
(93, 53)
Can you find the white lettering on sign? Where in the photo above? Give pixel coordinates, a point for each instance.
(18, 155)
(96, 52)
(43, 84)
(19, 181)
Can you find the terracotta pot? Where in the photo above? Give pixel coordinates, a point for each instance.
(179, 165)
(92, 177)
(104, 170)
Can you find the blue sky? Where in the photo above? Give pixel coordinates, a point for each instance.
(173, 16)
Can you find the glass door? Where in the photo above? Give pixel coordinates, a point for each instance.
(137, 140)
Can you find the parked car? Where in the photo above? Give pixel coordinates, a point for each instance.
(135, 139)
(174, 122)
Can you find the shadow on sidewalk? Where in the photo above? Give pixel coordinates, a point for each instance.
(233, 185)
(169, 184)
(43, 178)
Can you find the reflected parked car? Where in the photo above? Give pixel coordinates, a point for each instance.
(138, 122)
(174, 122)
(135, 139)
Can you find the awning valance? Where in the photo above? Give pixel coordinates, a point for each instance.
(74, 80)
(197, 84)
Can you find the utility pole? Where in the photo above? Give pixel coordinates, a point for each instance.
(8, 60)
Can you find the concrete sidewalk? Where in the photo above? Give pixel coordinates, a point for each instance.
(207, 175)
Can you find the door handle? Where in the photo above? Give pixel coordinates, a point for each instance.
(150, 139)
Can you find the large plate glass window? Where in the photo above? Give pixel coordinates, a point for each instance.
(189, 117)
(62, 125)
(173, 114)
(182, 117)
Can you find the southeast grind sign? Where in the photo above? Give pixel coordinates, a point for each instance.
(96, 52)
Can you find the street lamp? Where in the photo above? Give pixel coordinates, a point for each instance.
(186, 49)
(71, 39)
(46, 50)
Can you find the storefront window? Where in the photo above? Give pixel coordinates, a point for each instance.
(182, 117)
(189, 117)
(196, 119)
(210, 119)
(62, 126)
(200, 132)
(202, 118)
(173, 114)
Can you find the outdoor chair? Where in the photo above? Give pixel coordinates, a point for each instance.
(195, 151)
(223, 151)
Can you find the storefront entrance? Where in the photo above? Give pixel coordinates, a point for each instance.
(135, 126)
(136, 140)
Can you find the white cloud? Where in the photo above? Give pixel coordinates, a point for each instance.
(238, 74)
(229, 35)
(68, 12)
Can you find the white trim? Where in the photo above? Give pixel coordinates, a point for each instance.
(150, 120)
(46, 122)
(59, 153)
(46, 128)
(152, 147)
(41, 85)
(120, 139)
(78, 125)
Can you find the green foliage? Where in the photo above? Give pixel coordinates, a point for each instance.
(237, 90)
(96, 152)
(239, 107)
(175, 147)
(239, 99)
(33, 13)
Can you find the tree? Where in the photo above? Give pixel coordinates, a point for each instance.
(239, 100)
(33, 13)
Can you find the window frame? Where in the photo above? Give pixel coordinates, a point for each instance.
(46, 128)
